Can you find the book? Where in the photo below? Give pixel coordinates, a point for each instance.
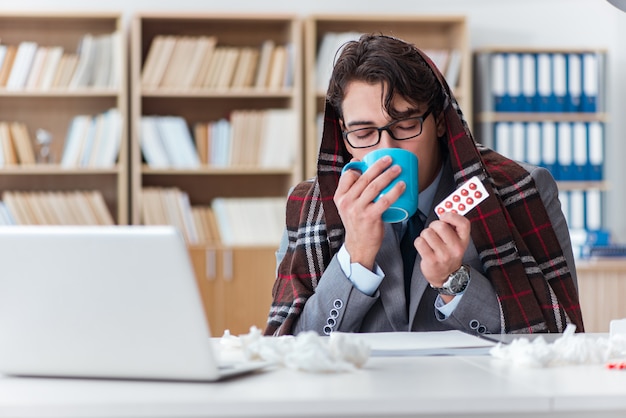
(50, 66)
(145, 205)
(1, 150)
(290, 65)
(74, 139)
(278, 65)
(163, 56)
(3, 51)
(117, 68)
(212, 76)
(103, 61)
(83, 211)
(453, 69)
(32, 82)
(6, 218)
(150, 63)
(279, 133)
(58, 206)
(85, 67)
(200, 222)
(178, 142)
(22, 63)
(254, 132)
(41, 215)
(178, 63)
(227, 68)
(238, 120)
(22, 142)
(201, 47)
(16, 206)
(66, 70)
(251, 67)
(200, 137)
(242, 73)
(106, 154)
(237, 220)
(98, 205)
(8, 149)
(173, 210)
(220, 144)
(190, 227)
(7, 64)
(206, 63)
(152, 146)
(152, 208)
(265, 61)
(213, 230)
(91, 150)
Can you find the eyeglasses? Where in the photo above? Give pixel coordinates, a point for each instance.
(399, 130)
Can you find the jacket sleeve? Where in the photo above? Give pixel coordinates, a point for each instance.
(327, 309)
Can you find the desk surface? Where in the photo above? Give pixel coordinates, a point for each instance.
(439, 386)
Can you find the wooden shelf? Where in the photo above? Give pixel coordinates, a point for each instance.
(53, 109)
(583, 185)
(221, 95)
(210, 104)
(216, 171)
(492, 117)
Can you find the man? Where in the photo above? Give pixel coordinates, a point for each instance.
(504, 267)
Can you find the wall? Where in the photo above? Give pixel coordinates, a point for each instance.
(542, 23)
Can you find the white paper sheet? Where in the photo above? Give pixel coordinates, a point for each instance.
(436, 343)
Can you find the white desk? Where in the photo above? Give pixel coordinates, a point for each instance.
(385, 387)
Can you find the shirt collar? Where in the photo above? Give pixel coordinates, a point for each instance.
(426, 196)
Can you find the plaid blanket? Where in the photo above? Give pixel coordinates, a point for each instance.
(511, 230)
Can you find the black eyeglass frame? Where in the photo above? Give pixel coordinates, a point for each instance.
(387, 128)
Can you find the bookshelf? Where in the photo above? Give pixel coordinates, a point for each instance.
(203, 95)
(547, 107)
(434, 34)
(199, 104)
(46, 109)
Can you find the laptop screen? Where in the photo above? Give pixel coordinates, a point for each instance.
(102, 301)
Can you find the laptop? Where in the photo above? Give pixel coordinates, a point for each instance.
(113, 302)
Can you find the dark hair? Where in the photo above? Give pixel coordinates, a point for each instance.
(390, 61)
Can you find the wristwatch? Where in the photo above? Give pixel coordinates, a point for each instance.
(456, 283)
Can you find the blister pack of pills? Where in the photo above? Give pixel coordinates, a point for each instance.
(463, 199)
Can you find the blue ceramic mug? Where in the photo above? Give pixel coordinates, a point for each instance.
(406, 205)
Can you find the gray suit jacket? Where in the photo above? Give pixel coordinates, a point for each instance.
(337, 305)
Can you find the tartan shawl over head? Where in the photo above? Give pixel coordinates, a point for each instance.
(511, 230)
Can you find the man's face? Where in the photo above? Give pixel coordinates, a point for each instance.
(363, 108)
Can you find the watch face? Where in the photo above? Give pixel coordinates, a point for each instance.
(457, 282)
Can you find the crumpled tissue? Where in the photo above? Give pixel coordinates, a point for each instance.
(569, 349)
(308, 351)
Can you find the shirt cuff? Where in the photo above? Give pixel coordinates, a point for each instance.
(365, 280)
(446, 309)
